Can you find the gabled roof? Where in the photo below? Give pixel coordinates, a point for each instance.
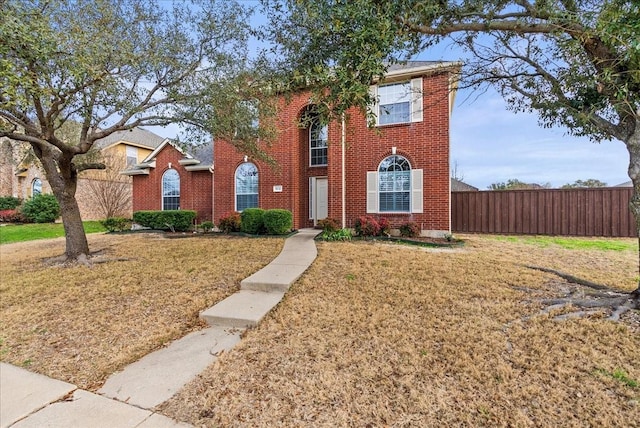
(135, 137)
(198, 158)
(625, 184)
(461, 186)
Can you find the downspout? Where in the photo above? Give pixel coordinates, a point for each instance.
(213, 193)
(344, 189)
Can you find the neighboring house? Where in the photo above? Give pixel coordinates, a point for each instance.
(625, 184)
(172, 178)
(461, 186)
(398, 169)
(22, 177)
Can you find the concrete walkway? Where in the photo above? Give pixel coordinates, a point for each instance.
(128, 398)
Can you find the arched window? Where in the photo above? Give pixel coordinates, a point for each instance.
(317, 143)
(171, 190)
(36, 187)
(246, 186)
(394, 184)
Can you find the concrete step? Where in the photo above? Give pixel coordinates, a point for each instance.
(242, 309)
(158, 376)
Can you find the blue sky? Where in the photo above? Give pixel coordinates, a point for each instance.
(491, 144)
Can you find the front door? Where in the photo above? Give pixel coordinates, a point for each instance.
(319, 198)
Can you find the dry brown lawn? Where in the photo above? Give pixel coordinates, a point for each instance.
(81, 324)
(387, 335)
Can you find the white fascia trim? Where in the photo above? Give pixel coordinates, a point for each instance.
(188, 161)
(166, 141)
(135, 172)
(424, 69)
(199, 167)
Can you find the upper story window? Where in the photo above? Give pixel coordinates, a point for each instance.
(36, 187)
(132, 155)
(394, 184)
(394, 103)
(171, 190)
(246, 186)
(318, 142)
(398, 103)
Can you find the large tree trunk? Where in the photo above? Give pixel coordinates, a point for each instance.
(633, 145)
(63, 179)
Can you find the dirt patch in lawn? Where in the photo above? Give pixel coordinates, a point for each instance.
(80, 324)
(392, 335)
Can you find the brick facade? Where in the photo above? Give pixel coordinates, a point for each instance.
(195, 186)
(424, 144)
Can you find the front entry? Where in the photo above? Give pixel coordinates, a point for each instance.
(318, 198)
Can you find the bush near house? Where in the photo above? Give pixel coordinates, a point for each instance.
(278, 221)
(41, 209)
(252, 221)
(174, 220)
(230, 222)
(367, 226)
(410, 229)
(116, 224)
(9, 203)
(329, 225)
(12, 216)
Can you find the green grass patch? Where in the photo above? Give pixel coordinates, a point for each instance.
(29, 232)
(620, 375)
(569, 243)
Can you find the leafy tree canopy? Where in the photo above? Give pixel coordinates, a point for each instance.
(515, 184)
(590, 182)
(75, 71)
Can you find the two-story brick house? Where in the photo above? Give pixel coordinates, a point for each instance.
(398, 169)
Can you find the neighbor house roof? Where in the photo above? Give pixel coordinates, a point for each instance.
(461, 186)
(136, 137)
(625, 184)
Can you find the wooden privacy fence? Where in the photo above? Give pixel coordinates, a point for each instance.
(579, 212)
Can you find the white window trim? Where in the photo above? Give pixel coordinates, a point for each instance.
(179, 189)
(416, 113)
(317, 148)
(416, 203)
(235, 185)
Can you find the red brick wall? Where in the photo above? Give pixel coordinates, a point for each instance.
(425, 144)
(195, 186)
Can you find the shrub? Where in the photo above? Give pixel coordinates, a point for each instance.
(116, 224)
(174, 220)
(11, 216)
(367, 226)
(207, 226)
(385, 226)
(252, 221)
(336, 235)
(410, 229)
(230, 222)
(9, 203)
(41, 209)
(328, 224)
(277, 221)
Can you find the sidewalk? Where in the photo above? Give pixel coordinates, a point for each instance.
(128, 398)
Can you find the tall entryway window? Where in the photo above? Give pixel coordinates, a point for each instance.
(171, 190)
(318, 198)
(246, 186)
(36, 187)
(318, 139)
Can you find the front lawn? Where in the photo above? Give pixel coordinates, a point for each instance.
(28, 232)
(373, 334)
(80, 324)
